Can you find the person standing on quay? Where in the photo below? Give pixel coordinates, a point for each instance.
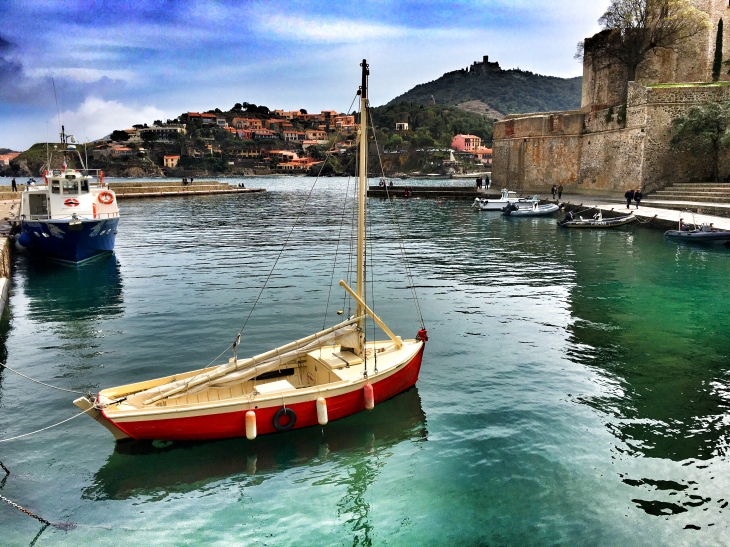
(554, 189)
(560, 191)
(637, 197)
(14, 185)
(629, 195)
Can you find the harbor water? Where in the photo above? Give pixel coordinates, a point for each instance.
(574, 391)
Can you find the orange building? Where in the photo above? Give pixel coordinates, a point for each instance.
(466, 143)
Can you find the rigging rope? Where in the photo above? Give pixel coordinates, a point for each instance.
(398, 236)
(236, 343)
(337, 249)
(3, 365)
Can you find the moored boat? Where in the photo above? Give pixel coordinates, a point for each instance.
(326, 376)
(534, 209)
(704, 233)
(596, 222)
(505, 199)
(71, 217)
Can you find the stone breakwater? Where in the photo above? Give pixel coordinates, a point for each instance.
(125, 190)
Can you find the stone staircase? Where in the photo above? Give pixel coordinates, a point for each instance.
(707, 198)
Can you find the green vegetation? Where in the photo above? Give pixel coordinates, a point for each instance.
(717, 62)
(704, 129)
(507, 91)
(429, 126)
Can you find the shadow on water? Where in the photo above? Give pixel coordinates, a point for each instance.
(653, 328)
(141, 468)
(69, 293)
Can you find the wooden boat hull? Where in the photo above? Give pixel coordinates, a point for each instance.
(229, 422)
(605, 223)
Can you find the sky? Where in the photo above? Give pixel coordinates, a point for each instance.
(117, 63)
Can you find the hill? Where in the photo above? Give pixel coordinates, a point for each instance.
(486, 88)
(428, 125)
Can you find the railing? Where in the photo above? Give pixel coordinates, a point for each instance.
(71, 217)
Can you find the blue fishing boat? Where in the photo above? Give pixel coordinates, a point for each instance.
(71, 216)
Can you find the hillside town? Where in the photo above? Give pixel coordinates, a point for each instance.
(252, 140)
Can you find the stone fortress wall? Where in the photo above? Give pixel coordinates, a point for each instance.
(607, 147)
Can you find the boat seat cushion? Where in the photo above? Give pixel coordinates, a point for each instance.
(274, 387)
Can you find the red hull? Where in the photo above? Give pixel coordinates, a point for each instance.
(232, 424)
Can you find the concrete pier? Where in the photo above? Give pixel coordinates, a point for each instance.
(657, 217)
(433, 192)
(126, 190)
(8, 210)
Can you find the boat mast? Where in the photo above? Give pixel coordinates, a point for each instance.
(360, 289)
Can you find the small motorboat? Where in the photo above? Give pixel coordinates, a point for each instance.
(505, 199)
(534, 210)
(704, 233)
(596, 222)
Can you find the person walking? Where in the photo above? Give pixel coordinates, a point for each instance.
(554, 190)
(560, 191)
(637, 197)
(487, 182)
(629, 195)
(14, 185)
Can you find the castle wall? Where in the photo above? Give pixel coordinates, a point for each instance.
(691, 63)
(596, 153)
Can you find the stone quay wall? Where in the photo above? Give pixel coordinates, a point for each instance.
(596, 152)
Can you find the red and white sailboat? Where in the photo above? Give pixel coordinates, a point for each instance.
(326, 376)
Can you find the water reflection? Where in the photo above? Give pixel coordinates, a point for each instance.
(158, 469)
(69, 293)
(659, 348)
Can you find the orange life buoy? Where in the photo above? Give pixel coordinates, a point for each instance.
(101, 177)
(45, 176)
(94, 207)
(106, 198)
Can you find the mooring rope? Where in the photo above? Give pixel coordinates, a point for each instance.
(48, 427)
(3, 365)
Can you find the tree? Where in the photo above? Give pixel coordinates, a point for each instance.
(394, 142)
(717, 62)
(119, 135)
(704, 129)
(635, 28)
(149, 138)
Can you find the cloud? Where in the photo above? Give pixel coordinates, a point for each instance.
(5, 45)
(325, 30)
(95, 117)
(85, 75)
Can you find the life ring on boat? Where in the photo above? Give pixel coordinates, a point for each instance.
(93, 206)
(45, 176)
(284, 412)
(101, 177)
(107, 198)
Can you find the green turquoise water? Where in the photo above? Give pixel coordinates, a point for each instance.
(574, 390)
